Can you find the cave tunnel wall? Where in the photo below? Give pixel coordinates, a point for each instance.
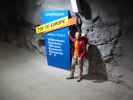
(18, 19)
(113, 25)
(109, 26)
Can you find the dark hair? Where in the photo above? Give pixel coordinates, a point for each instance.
(73, 28)
(79, 29)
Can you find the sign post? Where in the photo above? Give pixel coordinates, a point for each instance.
(56, 38)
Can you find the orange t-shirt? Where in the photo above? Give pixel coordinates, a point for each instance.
(76, 49)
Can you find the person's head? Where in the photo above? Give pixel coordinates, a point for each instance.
(77, 35)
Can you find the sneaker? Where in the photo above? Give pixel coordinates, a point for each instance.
(71, 77)
(80, 79)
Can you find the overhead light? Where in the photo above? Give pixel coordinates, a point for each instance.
(74, 6)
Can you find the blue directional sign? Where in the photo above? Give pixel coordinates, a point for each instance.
(57, 41)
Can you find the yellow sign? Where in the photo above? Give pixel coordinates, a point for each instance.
(72, 21)
(60, 23)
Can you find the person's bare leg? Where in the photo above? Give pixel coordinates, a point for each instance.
(81, 70)
(72, 69)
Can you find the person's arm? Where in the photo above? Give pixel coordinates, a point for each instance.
(83, 47)
(71, 38)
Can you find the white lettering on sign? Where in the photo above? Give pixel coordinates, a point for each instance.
(55, 14)
(55, 46)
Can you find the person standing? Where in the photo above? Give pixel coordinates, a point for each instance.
(79, 55)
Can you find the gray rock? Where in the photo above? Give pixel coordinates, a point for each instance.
(105, 49)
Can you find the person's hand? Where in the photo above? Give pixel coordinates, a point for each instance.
(88, 45)
(79, 59)
(68, 33)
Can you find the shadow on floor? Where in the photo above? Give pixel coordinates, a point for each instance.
(97, 68)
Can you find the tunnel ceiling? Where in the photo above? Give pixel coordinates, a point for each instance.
(11, 9)
(124, 6)
(12, 12)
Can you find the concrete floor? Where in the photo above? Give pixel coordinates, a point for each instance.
(24, 76)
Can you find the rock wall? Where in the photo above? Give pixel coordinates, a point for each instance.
(108, 25)
(18, 19)
(102, 27)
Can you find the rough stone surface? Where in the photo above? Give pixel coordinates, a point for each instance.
(109, 29)
(104, 32)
